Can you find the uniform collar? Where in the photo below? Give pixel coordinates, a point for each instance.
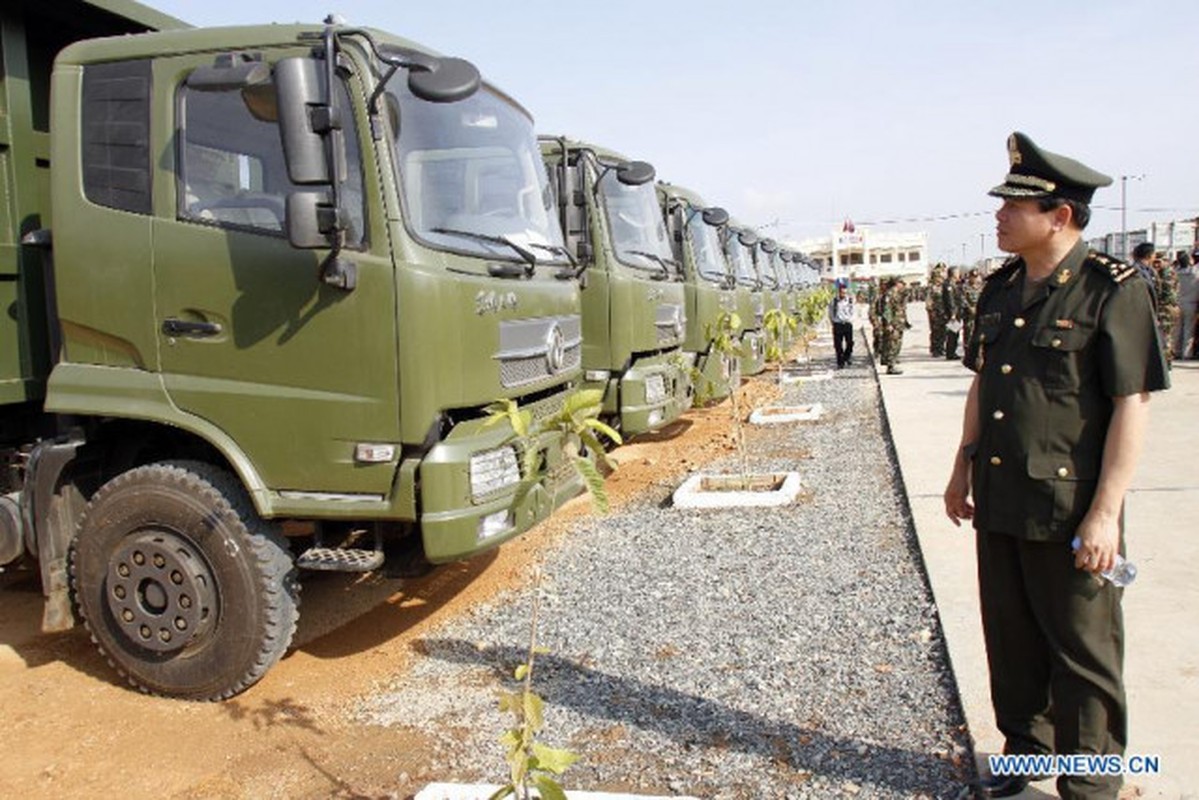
(1065, 273)
(1070, 267)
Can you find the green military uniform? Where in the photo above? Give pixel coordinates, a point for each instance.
(1168, 311)
(893, 321)
(971, 290)
(936, 315)
(872, 314)
(1049, 362)
(951, 312)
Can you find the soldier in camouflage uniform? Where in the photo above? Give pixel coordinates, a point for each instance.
(1165, 291)
(872, 313)
(893, 321)
(971, 288)
(932, 304)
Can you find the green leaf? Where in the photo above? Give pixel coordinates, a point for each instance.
(509, 701)
(522, 671)
(553, 759)
(596, 447)
(594, 482)
(503, 792)
(510, 738)
(534, 711)
(605, 429)
(587, 400)
(548, 788)
(734, 321)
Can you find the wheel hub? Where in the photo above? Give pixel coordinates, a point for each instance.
(159, 590)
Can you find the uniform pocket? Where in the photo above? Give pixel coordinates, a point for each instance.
(1059, 353)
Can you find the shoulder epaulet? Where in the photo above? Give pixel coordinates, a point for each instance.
(1005, 271)
(1113, 268)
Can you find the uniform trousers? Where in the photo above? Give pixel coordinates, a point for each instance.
(1055, 647)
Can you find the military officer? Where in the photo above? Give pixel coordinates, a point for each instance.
(1065, 353)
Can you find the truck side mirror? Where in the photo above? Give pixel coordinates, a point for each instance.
(716, 216)
(747, 238)
(305, 119)
(444, 80)
(635, 173)
(313, 222)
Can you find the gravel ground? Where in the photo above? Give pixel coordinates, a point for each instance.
(772, 653)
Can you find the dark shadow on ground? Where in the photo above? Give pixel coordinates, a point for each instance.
(701, 722)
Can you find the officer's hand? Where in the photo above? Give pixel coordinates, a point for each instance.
(957, 494)
(1099, 541)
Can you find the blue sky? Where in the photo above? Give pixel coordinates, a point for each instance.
(798, 115)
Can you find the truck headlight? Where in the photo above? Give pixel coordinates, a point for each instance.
(655, 389)
(493, 470)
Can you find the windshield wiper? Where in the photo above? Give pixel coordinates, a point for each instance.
(498, 270)
(564, 274)
(661, 262)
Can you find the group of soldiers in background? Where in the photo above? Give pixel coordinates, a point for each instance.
(886, 306)
(1175, 293)
(951, 300)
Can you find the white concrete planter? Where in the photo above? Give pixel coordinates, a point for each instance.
(482, 791)
(809, 376)
(725, 491)
(777, 415)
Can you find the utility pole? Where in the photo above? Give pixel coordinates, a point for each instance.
(1124, 179)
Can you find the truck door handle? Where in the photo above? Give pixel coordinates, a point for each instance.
(181, 327)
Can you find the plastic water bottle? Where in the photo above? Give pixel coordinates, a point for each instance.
(1122, 573)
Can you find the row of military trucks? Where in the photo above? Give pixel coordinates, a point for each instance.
(262, 284)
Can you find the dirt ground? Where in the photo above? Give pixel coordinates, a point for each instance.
(73, 729)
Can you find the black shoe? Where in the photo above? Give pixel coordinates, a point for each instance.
(1007, 785)
(1003, 785)
(894, 371)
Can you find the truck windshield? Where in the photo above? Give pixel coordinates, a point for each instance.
(739, 262)
(636, 225)
(472, 176)
(766, 269)
(705, 245)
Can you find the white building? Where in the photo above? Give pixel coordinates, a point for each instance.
(1167, 237)
(859, 252)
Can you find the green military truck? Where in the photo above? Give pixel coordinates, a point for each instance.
(739, 244)
(634, 304)
(261, 285)
(694, 229)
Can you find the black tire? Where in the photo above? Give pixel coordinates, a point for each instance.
(184, 589)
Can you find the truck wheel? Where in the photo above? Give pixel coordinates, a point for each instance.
(183, 588)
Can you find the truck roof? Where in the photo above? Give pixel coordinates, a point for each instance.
(137, 13)
(673, 190)
(602, 153)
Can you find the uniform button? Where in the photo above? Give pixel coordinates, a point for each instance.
(997, 414)
(1056, 343)
(1005, 369)
(1019, 322)
(996, 461)
(1062, 472)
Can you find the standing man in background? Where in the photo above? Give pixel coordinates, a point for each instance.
(1188, 299)
(1065, 353)
(951, 313)
(932, 304)
(840, 314)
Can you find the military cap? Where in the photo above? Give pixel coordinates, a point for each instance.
(1037, 173)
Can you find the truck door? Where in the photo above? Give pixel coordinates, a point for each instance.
(296, 371)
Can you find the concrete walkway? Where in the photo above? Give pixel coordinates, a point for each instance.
(924, 407)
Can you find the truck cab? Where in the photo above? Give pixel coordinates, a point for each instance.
(634, 301)
(739, 245)
(694, 229)
(285, 272)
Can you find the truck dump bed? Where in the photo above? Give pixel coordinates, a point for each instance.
(32, 32)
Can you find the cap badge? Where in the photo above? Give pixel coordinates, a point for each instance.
(1063, 276)
(1013, 151)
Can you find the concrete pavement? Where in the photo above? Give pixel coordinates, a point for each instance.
(924, 409)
